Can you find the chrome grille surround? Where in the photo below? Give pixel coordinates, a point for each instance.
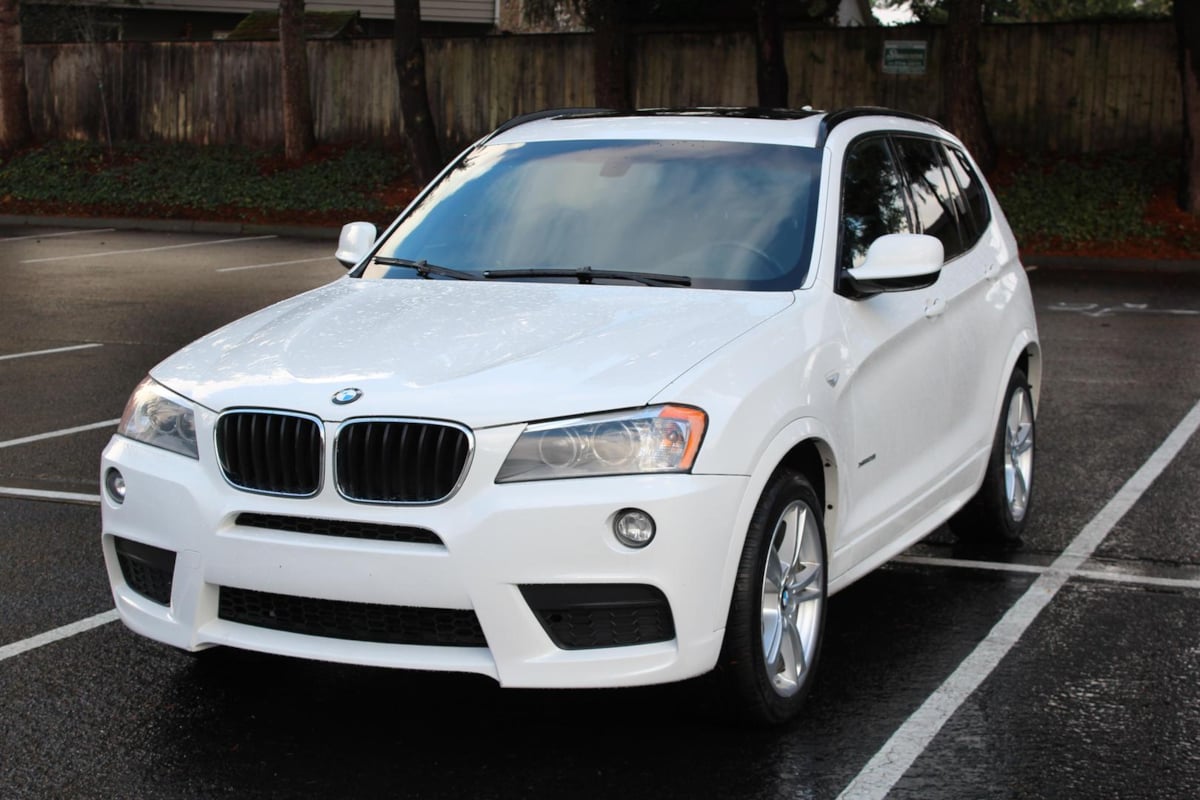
(440, 466)
(271, 467)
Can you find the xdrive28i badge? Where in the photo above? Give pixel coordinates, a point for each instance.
(344, 396)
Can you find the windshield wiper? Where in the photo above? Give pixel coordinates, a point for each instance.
(588, 275)
(425, 269)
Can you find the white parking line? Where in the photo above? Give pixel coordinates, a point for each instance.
(275, 264)
(52, 235)
(58, 634)
(37, 437)
(50, 351)
(1140, 580)
(1118, 576)
(966, 563)
(43, 494)
(911, 739)
(146, 249)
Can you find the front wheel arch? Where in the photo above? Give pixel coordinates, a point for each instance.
(776, 618)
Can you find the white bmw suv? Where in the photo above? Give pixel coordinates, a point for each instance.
(620, 399)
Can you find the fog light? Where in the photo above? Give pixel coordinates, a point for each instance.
(633, 528)
(114, 482)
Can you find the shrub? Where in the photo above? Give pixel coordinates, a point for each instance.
(1081, 200)
(177, 176)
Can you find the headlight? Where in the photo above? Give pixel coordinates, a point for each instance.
(655, 439)
(152, 417)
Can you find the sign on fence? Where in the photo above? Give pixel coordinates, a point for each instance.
(905, 58)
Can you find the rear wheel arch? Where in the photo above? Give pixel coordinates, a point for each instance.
(997, 513)
(1028, 359)
(1030, 362)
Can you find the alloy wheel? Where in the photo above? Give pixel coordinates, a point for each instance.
(793, 592)
(1018, 453)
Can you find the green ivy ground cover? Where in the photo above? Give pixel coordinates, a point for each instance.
(1094, 199)
(177, 176)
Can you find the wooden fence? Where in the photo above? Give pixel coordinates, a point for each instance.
(1070, 88)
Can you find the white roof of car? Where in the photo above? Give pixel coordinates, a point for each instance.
(800, 128)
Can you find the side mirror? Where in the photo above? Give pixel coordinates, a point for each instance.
(897, 262)
(355, 242)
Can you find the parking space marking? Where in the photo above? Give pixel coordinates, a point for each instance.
(58, 634)
(1090, 574)
(38, 437)
(42, 494)
(275, 264)
(966, 563)
(1137, 580)
(888, 766)
(1096, 310)
(53, 235)
(147, 249)
(50, 351)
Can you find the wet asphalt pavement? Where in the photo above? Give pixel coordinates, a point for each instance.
(1098, 696)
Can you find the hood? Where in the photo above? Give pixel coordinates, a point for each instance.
(477, 353)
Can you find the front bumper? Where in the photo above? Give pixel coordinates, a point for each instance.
(495, 539)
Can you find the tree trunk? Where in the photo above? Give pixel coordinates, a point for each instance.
(768, 51)
(609, 21)
(424, 153)
(966, 116)
(1187, 26)
(15, 129)
(298, 136)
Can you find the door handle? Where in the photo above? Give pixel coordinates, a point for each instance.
(935, 307)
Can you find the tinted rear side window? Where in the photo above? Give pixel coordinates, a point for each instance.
(973, 195)
(932, 191)
(873, 201)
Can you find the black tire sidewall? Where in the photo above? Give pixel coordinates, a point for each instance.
(987, 518)
(742, 663)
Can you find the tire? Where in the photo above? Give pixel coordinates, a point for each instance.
(772, 637)
(998, 512)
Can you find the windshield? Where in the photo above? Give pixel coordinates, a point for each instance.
(724, 215)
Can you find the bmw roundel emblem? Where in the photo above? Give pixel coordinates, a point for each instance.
(344, 396)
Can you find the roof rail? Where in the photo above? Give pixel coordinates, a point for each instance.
(835, 118)
(747, 112)
(739, 112)
(550, 113)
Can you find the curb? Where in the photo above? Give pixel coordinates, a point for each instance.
(174, 226)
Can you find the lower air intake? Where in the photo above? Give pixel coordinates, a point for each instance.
(583, 616)
(361, 622)
(349, 530)
(147, 570)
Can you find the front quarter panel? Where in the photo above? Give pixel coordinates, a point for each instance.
(772, 389)
(785, 369)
